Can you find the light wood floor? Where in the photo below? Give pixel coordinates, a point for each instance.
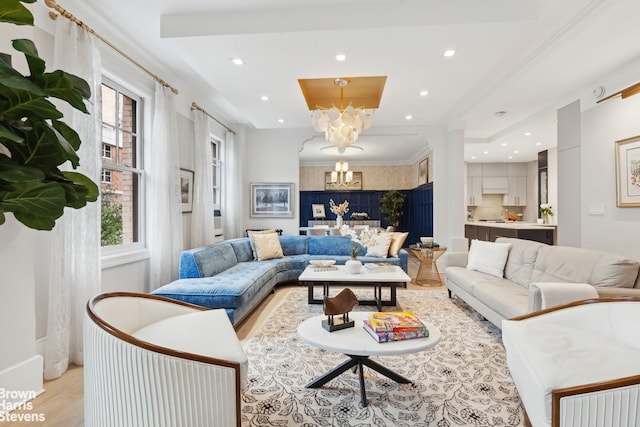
(62, 402)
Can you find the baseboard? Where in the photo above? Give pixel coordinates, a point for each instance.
(20, 383)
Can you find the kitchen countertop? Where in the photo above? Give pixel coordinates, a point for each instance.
(512, 224)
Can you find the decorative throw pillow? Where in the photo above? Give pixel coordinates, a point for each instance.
(397, 240)
(267, 246)
(488, 257)
(379, 246)
(251, 242)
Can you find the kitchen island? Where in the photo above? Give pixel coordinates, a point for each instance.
(490, 230)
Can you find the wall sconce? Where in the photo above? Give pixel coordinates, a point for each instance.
(342, 172)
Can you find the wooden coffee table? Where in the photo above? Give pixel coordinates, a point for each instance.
(358, 345)
(313, 276)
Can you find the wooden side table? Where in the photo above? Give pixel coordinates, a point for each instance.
(428, 274)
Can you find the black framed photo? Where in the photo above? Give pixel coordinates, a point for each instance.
(272, 200)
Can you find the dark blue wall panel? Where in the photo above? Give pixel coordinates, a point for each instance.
(418, 210)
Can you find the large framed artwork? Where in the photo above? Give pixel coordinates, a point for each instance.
(628, 172)
(354, 184)
(186, 190)
(272, 200)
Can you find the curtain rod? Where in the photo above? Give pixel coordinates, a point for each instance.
(52, 4)
(195, 106)
(625, 93)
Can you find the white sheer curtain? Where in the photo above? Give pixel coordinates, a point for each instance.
(75, 254)
(232, 208)
(164, 217)
(202, 227)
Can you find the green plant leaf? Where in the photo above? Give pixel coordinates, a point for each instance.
(11, 78)
(14, 12)
(5, 132)
(70, 135)
(19, 173)
(26, 46)
(59, 85)
(21, 104)
(82, 184)
(2, 218)
(36, 206)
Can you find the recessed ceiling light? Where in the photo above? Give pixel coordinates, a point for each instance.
(510, 157)
(516, 151)
(264, 97)
(449, 52)
(237, 61)
(408, 117)
(504, 144)
(473, 157)
(527, 134)
(341, 57)
(424, 92)
(538, 143)
(280, 120)
(485, 152)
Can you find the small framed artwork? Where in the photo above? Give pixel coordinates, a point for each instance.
(423, 171)
(186, 190)
(272, 200)
(628, 172)
(318, 211)
(354, 184)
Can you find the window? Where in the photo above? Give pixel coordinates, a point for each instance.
(216, 154)
(121, 167)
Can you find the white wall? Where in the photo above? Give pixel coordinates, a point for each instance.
(617, 230)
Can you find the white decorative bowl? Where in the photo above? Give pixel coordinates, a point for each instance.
(322, 262)
(426, 240)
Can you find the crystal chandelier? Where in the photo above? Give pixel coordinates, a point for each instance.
(342, 172)
(341, 126)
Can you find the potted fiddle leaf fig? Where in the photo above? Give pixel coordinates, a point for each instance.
(392, 206)
(34, 141)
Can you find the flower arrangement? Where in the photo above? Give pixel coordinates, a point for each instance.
(340, 209)
(545, 209)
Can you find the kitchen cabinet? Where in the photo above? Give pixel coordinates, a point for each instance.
(474, 169)
(474, 191)
(491, 232)
(494, 169)
(517, 191)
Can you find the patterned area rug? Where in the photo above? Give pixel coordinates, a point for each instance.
(463, 381)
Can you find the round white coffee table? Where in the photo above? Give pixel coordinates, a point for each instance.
(359, 346)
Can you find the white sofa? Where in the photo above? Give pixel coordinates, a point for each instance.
(152, 361)
(532, 268)
(578, 365)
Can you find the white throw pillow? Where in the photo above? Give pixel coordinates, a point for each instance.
(267, 246)
(488, 257)
(379, 246)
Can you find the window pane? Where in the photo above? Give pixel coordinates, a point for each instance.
(126, 149)
(108, 105)
(127, 113)
(120, 208)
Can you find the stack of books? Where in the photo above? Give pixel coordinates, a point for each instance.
(395, 326)
(377, 267)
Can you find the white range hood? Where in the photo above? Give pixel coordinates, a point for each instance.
(495, 185)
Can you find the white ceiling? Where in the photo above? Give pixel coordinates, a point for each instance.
(524, 57)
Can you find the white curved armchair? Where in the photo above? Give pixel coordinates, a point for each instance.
(578, 365)
(152, 361)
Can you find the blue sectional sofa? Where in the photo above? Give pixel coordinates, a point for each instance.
(225, 275)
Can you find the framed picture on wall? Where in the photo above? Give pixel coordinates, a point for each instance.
(272, 200)
(423, 171)
(628, 172)
(186, 190)
(318, 211)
